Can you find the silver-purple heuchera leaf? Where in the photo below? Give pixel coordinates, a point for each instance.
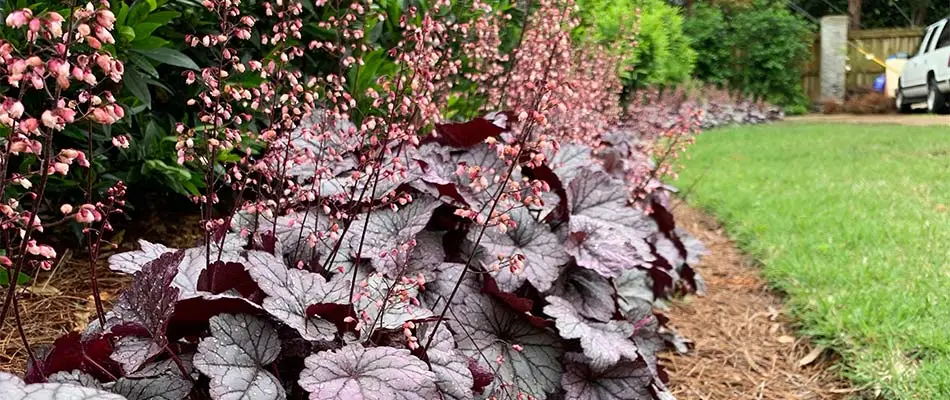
(597, 195)
(387, 230)
(440, 288)
(143, 311)
(529, 356)
(570, 160)
(694, 248)
(131, 262)
(480, 197)
(543, 253)
(133, 351)
(635, 293)
(427, 254)
(196, 261)
(590, 293)
(604, 344)
(290, 291)
(162, 387)
(358, 373)
(235, 357)
(667, 249)
(75, 377)
(13, 388)
(453, 377)
(396, 302)
(627, 380)
(605, 248)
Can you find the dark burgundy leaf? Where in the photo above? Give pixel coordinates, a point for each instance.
(72, 352)
(522, 305)
(482, 376)
(144, 309)
(221, 277)
(335, 313)
(191, 315)
(468, 134)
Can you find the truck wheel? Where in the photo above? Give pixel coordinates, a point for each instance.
(936, 101)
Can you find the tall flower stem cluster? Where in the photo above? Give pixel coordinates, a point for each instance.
(54, 67)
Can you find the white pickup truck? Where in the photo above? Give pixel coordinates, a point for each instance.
(926, 76)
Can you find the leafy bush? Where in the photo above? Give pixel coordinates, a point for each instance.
(143, 39)
(661, 54)
(758, 50)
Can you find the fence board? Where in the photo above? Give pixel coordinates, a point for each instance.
(882, 43)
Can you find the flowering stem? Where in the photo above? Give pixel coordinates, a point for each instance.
(93, 247)
(28, 231)
(19, 328)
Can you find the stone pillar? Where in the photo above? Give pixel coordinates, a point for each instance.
(834, 52)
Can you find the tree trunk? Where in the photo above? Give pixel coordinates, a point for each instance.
(854, 12)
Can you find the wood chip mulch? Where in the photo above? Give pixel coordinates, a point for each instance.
(744, 347)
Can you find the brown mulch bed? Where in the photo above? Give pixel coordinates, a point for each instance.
(744, 345)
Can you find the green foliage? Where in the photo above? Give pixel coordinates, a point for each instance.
(758, 50)
(661, 55)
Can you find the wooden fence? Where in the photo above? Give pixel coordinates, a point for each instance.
(882, 43)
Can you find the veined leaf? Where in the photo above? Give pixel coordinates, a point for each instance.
(235, 357)
(359, 373)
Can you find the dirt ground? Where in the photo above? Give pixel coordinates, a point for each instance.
(744, 345)
(915, 119)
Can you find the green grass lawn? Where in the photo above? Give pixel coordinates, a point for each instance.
(852, 222)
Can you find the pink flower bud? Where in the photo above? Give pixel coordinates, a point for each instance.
(61, 168)
(93, 42)
(88, 214)
(105, 19)
(104, 35)
(121, 141)
(49, 120)
(29, 125)
(19, 18)
(65, 209)
(15, 109)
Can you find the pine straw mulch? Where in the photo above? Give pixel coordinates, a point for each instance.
(745, 347)
(60, 300)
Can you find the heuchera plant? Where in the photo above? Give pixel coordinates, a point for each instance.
(560, 304)
(376, 251)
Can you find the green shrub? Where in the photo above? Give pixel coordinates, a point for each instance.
(662, 54)
(758, 49)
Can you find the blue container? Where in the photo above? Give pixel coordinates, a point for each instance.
(879, 83)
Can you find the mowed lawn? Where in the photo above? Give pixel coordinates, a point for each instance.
(852, 222)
